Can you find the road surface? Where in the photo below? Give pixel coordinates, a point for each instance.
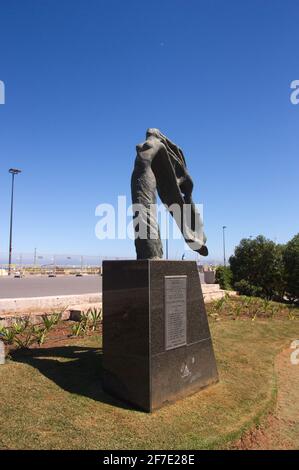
(40, 286)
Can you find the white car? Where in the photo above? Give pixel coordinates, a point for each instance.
(18, 274)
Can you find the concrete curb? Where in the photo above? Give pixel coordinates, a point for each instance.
(49, 303)
(46, 304)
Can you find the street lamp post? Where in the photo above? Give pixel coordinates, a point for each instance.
(54, 264)
(223, 233)
(167, 235)
(13, 171)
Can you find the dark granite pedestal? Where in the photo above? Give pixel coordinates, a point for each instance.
(156, 338)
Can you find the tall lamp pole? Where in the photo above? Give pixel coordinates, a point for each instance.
(167, 235)
(13, 172)
(223, 233)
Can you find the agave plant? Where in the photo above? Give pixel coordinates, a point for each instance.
(255, 308)
(39, 333)
(57, 317)
(291, 315)
(20, 326)
(219, 304)
(273, 310)
(266, 304)
(85, 321)
(48, 322)
(251, 306)
(95, 317)
(77, 329)
(238, 310)
(8, 335)
(23, 341)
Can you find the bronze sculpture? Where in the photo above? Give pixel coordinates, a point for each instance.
(160, 167)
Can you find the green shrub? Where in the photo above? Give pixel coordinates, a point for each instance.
(224, 277)
(259, 263)
(243, 287)
(291, 268)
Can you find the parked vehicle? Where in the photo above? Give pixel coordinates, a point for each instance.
(18, 274)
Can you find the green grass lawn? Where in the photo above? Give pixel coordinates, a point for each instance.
(52, 398)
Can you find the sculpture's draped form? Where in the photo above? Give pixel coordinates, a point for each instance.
(160, 167)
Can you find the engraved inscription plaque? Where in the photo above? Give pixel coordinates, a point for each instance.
(175, 311)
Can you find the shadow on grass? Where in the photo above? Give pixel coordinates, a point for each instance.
(76, 369)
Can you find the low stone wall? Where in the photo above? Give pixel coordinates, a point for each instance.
(46, 304)
(71, 305)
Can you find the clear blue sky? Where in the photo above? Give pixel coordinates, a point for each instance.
(84, 79)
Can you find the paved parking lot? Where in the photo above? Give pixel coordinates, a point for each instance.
(40, 286)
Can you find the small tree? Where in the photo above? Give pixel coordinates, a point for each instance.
(259, 262)
(291, 267)
(224, 277)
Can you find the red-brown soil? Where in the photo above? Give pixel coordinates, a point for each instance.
(280, 430)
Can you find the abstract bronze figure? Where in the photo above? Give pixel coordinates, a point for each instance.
(160, 167)
(157, 346)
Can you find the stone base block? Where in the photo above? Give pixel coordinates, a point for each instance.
(156, 339)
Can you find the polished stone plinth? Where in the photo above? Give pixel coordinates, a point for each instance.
(156, 339)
